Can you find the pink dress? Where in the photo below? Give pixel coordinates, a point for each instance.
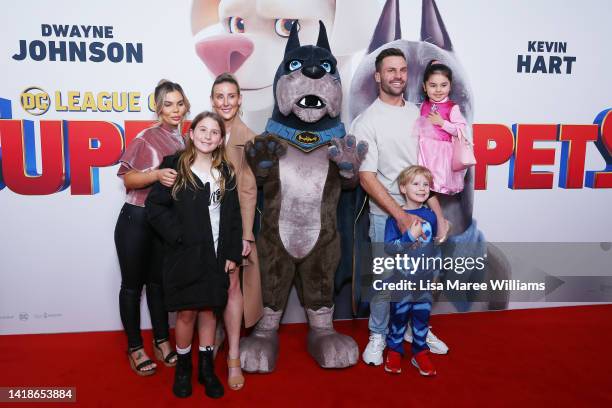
(436, 147)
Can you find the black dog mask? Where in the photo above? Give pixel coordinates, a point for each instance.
(307, 88)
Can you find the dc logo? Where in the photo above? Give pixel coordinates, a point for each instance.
(35, 101)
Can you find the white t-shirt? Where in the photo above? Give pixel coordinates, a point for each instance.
(214, 209)
(392, 143)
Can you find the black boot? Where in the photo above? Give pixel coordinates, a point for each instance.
(206, 375)
(182, 376)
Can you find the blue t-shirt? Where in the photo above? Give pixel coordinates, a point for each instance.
(430, 228)
(398, 243)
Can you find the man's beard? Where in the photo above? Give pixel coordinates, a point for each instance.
(386, 88)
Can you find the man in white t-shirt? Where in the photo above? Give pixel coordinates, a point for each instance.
(388, 125)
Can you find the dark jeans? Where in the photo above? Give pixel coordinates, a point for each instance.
(140, 253)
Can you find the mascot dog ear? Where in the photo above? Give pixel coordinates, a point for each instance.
(294, 41)
(322, 40)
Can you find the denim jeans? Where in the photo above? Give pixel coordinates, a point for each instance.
(379, 305)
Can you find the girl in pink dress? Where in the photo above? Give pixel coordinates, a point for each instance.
(440, 121)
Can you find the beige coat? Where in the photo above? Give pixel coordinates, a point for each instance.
(247, 192)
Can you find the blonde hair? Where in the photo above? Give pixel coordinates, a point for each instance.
(163, 88)
(185, 178)
(408, 174)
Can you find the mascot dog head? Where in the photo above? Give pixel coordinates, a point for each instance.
(307, 88)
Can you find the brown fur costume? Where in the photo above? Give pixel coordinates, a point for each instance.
(299, 241)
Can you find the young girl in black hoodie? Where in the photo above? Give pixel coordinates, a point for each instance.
(199, 220)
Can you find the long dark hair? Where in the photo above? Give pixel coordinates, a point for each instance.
(436, 67)
(185, 178)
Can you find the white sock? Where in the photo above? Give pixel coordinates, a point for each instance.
(207, 348)
(183, 351)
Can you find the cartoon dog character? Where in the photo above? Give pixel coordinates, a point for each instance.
(302, 179)
(247, 38)
(435, 44)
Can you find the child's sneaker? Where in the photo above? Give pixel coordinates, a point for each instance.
(435, 345)
(393, 363)
(373, 353)
(422, 362)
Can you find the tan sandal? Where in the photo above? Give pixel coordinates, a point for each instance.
(140, 368)
(235, 382)
(170, 359)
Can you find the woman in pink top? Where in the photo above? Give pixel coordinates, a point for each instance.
(440, 121)
(139, 249)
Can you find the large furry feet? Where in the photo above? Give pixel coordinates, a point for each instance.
(259, 351)
(348, 155)
(263, 152)
(329, 348)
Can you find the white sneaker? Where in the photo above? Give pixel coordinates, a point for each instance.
(435, 345)
(373, 353)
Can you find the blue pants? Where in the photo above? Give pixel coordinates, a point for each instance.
(400, 312)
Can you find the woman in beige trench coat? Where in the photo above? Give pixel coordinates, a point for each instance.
(226, 100)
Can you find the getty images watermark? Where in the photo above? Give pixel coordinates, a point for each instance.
(499, 272)
(403, 272)
(457, 272)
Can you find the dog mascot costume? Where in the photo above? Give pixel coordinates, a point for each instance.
(302, 160)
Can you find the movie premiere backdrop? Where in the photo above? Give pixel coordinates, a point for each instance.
(77, 79)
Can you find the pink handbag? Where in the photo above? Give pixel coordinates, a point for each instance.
(463, 152)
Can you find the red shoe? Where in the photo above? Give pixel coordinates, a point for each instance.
(422, 362)
(393, 363)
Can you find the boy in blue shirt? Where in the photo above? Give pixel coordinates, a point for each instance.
(414, 183)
